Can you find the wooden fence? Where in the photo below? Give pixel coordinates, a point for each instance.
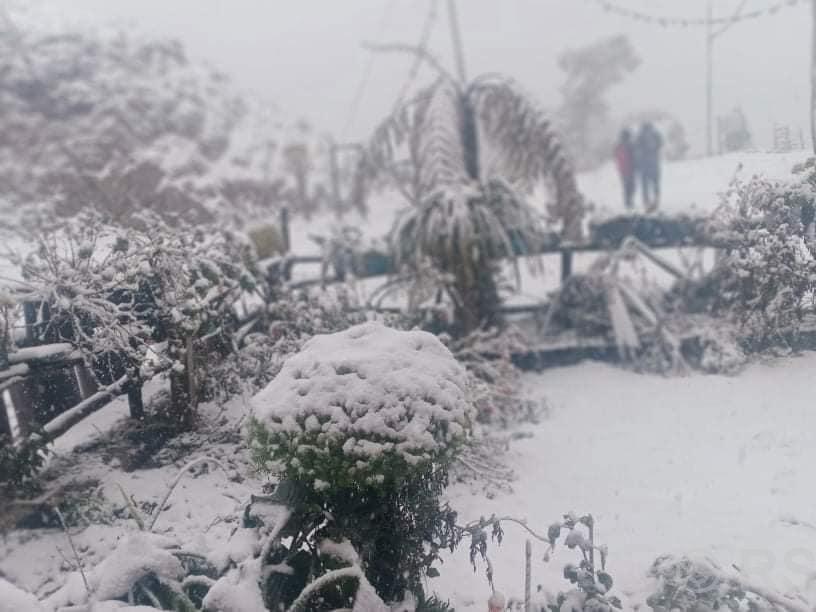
(51, 387)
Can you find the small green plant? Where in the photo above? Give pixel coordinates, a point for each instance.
(365, 423)
(20, 462)
(591, 581)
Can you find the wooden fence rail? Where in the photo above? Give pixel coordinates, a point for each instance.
(50, 386)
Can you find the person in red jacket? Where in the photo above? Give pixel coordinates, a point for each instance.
(625, 160)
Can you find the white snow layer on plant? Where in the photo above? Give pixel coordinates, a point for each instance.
(135, 557)
(371, 390)
(238, 591)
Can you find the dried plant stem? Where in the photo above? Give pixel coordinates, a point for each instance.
(172, 487)
(73, 550)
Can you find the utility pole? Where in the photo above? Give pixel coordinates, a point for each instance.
(709, 76)
(813, 78)
(711, 36)
(456, 37)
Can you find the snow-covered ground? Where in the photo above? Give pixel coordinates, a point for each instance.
(705, 465)
(713, 466)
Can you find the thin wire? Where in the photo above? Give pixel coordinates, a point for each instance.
(613, 7)
(354, 107)
(424, 38)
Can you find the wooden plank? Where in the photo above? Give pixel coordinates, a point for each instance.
(59, 425)
(46, 354)
(566, 265)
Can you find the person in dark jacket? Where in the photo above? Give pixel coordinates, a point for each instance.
(625, 160)
(647, 164)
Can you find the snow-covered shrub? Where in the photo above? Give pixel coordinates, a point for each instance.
(765, 281)
(366, 405)
(115, 292)
(288, 320)
(720, 351)
(367, 421)
(688, 585)
(494, 379)
(144, 568)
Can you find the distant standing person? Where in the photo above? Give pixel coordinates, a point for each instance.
(625, 160)
(647, 164)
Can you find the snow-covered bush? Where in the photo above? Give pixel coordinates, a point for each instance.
(688, 585)
(493, 378)
(366, 405)
(366, 421)
(720, 351)
(765, 281)
(115, 292)
(280, 329)
(144, 568)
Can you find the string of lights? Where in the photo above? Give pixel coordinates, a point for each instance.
(686, 22)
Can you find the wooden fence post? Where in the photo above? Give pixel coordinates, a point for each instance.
(566, 265)
(528, 554)
(135, 401)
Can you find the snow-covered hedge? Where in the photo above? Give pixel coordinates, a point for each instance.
(366, 405)
(765, 282)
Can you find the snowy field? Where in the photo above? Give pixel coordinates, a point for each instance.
(705, 465)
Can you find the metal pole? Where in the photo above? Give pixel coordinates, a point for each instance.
(528, 554)
(709, 77)
(813, 80)
(334, 174)
(456, 37)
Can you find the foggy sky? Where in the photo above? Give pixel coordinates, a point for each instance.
(306, 55)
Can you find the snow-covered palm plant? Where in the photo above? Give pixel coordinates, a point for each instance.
(467, 156)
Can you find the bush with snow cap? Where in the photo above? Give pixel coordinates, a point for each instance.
(366, 405)
(364, 424)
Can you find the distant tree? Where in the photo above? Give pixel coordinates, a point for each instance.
(118, 124)
(583, 116)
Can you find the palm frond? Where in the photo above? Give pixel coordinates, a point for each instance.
(418, 148)
(455, 220)
(526, 148)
